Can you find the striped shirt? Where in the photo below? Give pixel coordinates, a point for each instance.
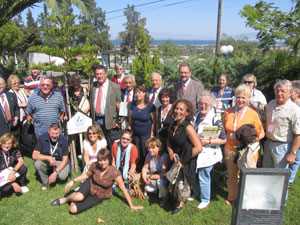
(45, 112)
(31, 83)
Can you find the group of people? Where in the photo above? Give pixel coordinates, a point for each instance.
(163, 128)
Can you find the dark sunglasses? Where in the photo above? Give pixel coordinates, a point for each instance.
(248, 82)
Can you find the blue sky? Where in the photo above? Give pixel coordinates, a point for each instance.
(191, 19)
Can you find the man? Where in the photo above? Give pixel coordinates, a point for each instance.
(105, 97)
(153, 92)
(51, 156)
(282, 128)
(10, 111)
(188, 88)
(32, 82)
(45, 107)
(127, 94)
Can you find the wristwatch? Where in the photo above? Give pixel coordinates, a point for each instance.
(294, 152)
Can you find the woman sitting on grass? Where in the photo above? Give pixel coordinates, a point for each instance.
(93, 143)
(155, 167)
(12, 160)
(96, 187)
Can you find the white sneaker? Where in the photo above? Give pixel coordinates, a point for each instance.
(24, 189)
(192, 198)
(203, 205)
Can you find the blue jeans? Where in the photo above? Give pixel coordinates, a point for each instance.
(100, 121)
(294, 167)
(204, 184)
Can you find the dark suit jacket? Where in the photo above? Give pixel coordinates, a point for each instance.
(15, 112)
(192, 92)
(157, 103)
(113, 96)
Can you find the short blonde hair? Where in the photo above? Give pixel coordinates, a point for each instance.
(118, 66)
(75, 77)
(243, 88)
(252, 77)
(11, 78)
(97, 130)
(8, 136)
(154, 142)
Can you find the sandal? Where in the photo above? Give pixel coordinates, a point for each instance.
(44, 187)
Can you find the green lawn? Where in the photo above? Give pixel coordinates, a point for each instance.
(34, 208)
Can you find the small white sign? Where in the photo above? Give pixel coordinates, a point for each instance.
(79, 123)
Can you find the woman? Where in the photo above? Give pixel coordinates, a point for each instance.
(13, 82)
(119, 77)
(184, 143)
(11, 160)
(204, 118)
(234, 118)
(141, 121)
(93, 143)
(125, 155)
(155, 167)
(96, 187)
(223, 93)
(257, 98)
(78, 96)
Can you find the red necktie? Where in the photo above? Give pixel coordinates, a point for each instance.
(153, 97)
(6, 109)
(98, 103)
(183, 89)
(128, 97)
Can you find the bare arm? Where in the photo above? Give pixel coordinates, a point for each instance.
(12, 174)
(193, 137)
(144, 171)
(86, 158)
(27, 92)
(121, 185)
(290, 158)
(153, 118)
(36, 155)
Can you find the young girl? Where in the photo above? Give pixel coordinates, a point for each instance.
(11, 159)
(155, 167)
(93, 143)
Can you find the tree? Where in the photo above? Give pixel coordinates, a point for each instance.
(98, 33)
(272, 24)
(168, 50)
(131, 34)
(11, 8)
(143, 65)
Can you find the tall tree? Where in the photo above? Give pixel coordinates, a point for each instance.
(98, 33)
(143, 65)
(11, 8)
(272, 24)
(131, 34)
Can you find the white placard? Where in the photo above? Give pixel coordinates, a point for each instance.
(79, 123)
(124, 108)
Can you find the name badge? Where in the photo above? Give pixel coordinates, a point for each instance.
(270, 128)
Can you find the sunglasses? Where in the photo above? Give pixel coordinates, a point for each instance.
(248, 82)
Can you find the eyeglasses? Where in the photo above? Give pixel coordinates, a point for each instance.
(92, 133)
(281, 91)
(248, 82)
(45, 85)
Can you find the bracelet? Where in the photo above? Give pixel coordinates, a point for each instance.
(14, 170)
(209, 141)
(56, 171)
(73, 181)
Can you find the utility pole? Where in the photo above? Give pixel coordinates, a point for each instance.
(218, 39)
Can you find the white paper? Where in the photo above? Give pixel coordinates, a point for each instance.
(124, 108)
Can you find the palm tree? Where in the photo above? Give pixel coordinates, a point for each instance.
(10, 8)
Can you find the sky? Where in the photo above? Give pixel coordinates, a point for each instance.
(180, 19)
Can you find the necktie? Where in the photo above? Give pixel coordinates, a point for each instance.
(6, 109)
(98, 103)
(128, 97)
(153, 96)
(183, 89)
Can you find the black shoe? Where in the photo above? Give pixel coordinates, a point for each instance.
(56, 202)
(176, 210)
(163, 203)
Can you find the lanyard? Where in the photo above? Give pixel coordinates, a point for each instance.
(6, 159)
(54, 149)
(243, 113)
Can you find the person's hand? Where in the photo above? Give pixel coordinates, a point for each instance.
(12, 176)
(68, 185)
(16, 187)
(15, 121)
(52, 178)
(204, 141)
(52, 161)
(136, 208)
(129, 178)
(290, 158)
(179, 163)
(116, 125)
(174, 157)
(147, 179)
(65, 118)
(118, 105)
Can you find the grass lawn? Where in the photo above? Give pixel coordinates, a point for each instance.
(34, 208)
